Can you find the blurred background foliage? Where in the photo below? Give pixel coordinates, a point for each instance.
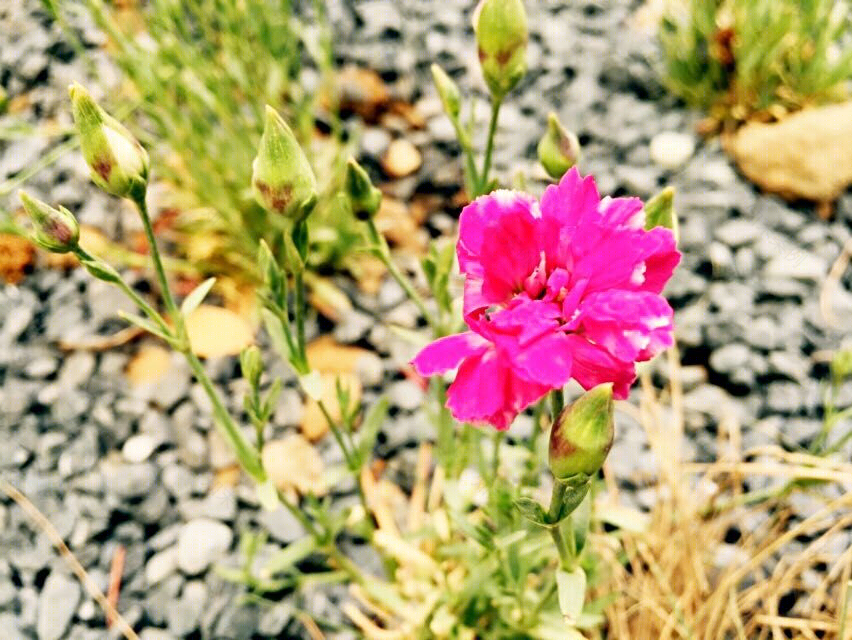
(197, 74)
(756, 59)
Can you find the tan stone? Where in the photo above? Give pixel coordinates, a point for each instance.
(807, 155)
(149, 365)
(216, 331)
(314, 423)
(401, 159)
(293, 464)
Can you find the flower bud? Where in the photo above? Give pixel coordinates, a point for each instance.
(558, 149)
(282, 179)
(582, 434)
(448, 92)
(501, 35)
(251, 364)
(659, 211)
(55, 229)
(363, 197)
(118, 163)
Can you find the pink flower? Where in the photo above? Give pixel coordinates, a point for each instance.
(568, 288)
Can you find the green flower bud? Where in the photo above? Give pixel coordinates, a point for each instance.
(558, 149)
(282, 179)
(54, 229)
(448, 92)
(251, 364)
(659, 211)
(501, 35)
(118, 163)
(363, 197)
(582, 434)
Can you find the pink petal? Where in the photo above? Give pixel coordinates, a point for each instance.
(486, 390)
(478, 215)
(594, 365)
(631, 325)
(623, 212)
(546, 361)
(565, 208)
(487, 228)
(630, 259)
(447, 353)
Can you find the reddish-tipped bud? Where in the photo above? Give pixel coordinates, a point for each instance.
(118, 163)
(54, 229)
(501, 35)
(282, 178)
(582, 434)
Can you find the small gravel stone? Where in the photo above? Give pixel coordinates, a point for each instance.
(161, 565)
(57, 604)
(139, 448)
(729, 358)
(671, 149)
(202, 542)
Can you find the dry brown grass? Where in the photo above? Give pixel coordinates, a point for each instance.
(668, 581)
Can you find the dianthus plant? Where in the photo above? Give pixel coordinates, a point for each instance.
(558, 289)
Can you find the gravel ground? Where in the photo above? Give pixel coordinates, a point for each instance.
(112, 465)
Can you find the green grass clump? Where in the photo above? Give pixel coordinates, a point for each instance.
(756, 59)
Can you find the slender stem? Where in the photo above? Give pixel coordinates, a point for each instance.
(299, 515)
(246, 454)
(129, 291)
(338, 435)
(141, 203)
(299, 283)
(383, 253)
(495, 459)
(565, 558)
(471, 175)
(351, 463)
(557, 403)
(566, 555)
(489, 145)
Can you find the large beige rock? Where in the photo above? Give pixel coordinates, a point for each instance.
(807, 155)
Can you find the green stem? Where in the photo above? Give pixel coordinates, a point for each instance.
(141, 204)
(489, 146)
(246, 454)
(471, 176)
(350, 464)
(299, 515)
(129, 291)
(557, 403)
(495, 459)
(383, 253)
(566, 555)
(299, 302)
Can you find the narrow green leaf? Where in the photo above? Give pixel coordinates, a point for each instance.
(574, 495)
(196, 296)
(143, 323)
(287, 558)
(532, 511)
(369, 431)
(571, 587)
